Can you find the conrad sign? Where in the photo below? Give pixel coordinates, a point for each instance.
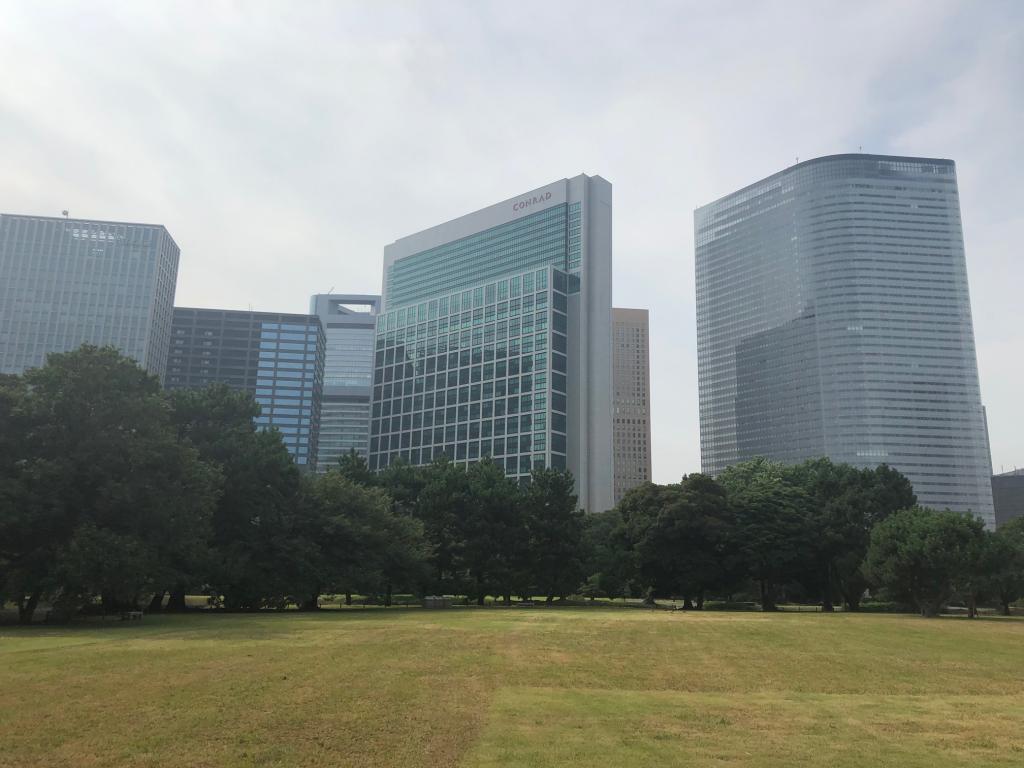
(529, 202)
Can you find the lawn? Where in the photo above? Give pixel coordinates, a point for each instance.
(500, 687)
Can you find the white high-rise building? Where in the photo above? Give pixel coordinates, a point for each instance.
(495, 339)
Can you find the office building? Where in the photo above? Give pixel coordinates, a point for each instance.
(833, 319)
(349, 322)
(495, 339)
(631, 380)
(1008, 495)
(278, 358)
(67, 282)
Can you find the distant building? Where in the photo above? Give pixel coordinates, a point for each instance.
(834, 319)
(350, 323)
(495, 339)
(631, 384)
(1008, 495)
(278, 358)
(68, 282)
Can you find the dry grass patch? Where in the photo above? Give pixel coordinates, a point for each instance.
(511, 687)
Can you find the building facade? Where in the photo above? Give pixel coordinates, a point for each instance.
(495, 339)
(834, 319)
(631, 381)
(1008, 495)
(350, 323)
(67, 282)
(278, 358)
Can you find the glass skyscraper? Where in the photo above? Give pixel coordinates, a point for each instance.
(833, 319)
(67, 282)
(495, 339)
(278, 358)
(349, 322)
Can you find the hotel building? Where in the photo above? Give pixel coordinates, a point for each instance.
(495, 339)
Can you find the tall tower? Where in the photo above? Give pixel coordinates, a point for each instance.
(495, 339)
(631, 380)
(68, 282)
(277, 358)
(350, 323)
(834, 319)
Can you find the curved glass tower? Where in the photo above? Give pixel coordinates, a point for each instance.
(833, 319)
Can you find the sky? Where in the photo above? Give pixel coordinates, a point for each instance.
(284, 144)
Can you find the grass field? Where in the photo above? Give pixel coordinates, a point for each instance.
(524, 687)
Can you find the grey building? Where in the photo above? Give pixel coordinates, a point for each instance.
(1008, 495)
(349, 322)
(495, 339)
(67, 282)
(278, 358)
(833, 319)
(631, 381)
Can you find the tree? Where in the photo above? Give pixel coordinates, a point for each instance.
(256, 554)
(681, 536)
(442, 507)
(493, 531)
(107, 486)
(844, 503)
(364, 544)
(1007, 559)
(607, 559)
(354, 467)
(880, 492)
(922, 556)
(772, 526)
(554, 530)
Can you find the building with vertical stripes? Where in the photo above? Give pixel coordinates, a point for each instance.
(834, 319)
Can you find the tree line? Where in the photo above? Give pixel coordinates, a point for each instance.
(115, 493)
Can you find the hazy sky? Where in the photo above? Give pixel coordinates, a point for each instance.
(284, 144)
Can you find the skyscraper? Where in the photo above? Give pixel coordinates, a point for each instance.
(495, 339)
(631, 380)
(278, 358)
(833, 319)
(68, 282)
(349, 323)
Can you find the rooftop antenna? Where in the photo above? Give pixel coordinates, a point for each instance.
(860, 148)
(65, 214)
(330, 290)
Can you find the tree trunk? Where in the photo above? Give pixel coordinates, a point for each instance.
(1006, 607)
(930, 610)
(387, 596)
(348, 598)
(311, 603)
(826, 594)
(479, 591)
(508, 598)
(109, 602)
(687, 603)
(853, 603)
(767, 597)
(700, 601)
(176, 600)
(27, 608)
(156, 603)
(551, 599)
(972, 606)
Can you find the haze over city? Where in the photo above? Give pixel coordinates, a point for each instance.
(284, 148)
